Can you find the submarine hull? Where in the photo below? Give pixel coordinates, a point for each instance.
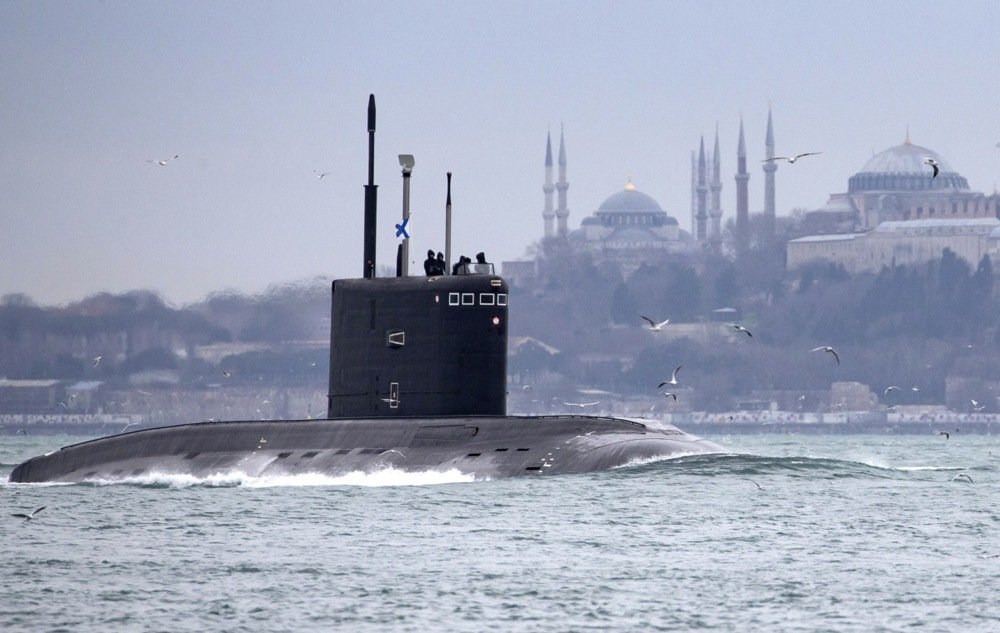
(485, 447)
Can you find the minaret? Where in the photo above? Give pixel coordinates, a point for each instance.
(548, 213)
(702, 193)
(562, 212)
(742, 194)
(716, 185)
(770, 167)
(694, 192)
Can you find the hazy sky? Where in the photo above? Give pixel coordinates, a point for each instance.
(255, 97)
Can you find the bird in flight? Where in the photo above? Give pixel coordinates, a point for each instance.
(673, 378)
(946, 434)
(976, 406)
(97, 360)
(791, 159)
(740, 328)
(888, 389)
(933, 163)
(28, 517)
(226, 373)
(582, 404)
(321, 175)
(827, 348)
(670, 394)
(653, 325)
(163, 163)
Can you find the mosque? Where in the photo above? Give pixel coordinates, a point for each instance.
(895, 211)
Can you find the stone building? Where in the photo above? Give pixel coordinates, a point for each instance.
(895, 212)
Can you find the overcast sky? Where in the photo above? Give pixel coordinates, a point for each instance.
(256, 97)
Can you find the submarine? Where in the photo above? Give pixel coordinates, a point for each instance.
(418, 377)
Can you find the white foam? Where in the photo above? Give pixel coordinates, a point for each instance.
(380, 478)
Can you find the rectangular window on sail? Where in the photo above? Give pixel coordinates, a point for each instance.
(501, 299)
(486, 299)
(468, 299)
(453, 298)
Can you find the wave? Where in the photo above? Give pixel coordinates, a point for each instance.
(236, 479)
(740, 464)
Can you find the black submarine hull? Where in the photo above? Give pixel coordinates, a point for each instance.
(484, 447)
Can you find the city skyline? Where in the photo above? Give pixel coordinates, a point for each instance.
(257, 101)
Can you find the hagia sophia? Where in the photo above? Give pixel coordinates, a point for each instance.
(894, 212)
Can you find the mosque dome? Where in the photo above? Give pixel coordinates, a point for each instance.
(635, 204)
(902, 168)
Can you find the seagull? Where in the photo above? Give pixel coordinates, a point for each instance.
(740, 328)
(976, 406)
(227, 373)
(670, 394)
(28, 517)
(124, 428)
(673, 378)
(582, 404)
(791, 159)
(97, 360)
(946, 435)
(163, 163)
(963, 476)
(933, 163)
(653, 325)
(759, 487)
(321, 175)
(888, 389)
(827, 348)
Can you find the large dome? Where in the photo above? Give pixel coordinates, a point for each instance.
(903, 169)
(629, 201)
(633, 202)
(904, 159)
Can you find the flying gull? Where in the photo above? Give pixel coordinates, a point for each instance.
(670, 394)
(827, 348)
(740, 328)
(673, 378)
(582, 404)
(321, 175)
(28, 517)
(933, 163)
(653, 325)
(163, 163)
(888, 389)
(97, 360)
(791, 159)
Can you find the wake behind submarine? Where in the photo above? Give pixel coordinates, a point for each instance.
(417, 383)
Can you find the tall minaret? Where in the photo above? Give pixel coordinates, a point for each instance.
(702, 193)
(563, 211)
(742, 194)
(694, 193)
(548, 213)
(716, 185)
(770, 167)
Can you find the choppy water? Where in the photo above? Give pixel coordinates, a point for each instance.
(787, 533)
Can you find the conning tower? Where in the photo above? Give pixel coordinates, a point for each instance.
(416, 346)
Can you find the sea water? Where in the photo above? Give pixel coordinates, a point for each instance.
(781, 533)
